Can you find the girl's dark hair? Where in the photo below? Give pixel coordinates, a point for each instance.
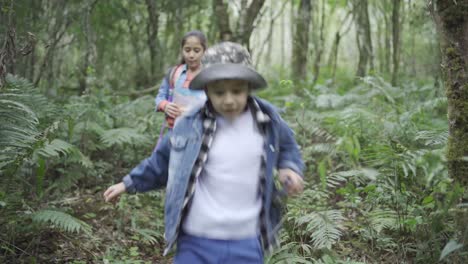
(194, 33)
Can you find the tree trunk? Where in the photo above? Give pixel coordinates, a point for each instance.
(141, 76)
(283, 38)
(90, 54)
(301, 40)
(244, 31)
(245, 24)
(62, 22)
(152, 28)
(396, 40)
(319, 52)
(8, 49)
(452, 19)
(222, 20)
(363, 37)
(333, 59)
(388, 46)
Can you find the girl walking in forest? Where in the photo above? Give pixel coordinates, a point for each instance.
(174, 97)
(221, 203)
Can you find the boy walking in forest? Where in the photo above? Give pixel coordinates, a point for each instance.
(217, 167)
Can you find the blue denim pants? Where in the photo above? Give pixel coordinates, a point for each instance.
(195, 250)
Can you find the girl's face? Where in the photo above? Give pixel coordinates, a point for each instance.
(192, 51)
(228, 97)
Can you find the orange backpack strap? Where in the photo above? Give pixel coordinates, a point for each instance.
(174, 75)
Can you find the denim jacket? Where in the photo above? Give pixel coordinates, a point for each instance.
(171, 164)
(163, 92)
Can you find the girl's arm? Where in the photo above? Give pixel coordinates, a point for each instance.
(163, 94)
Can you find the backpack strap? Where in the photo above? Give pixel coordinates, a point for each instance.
(172, 76)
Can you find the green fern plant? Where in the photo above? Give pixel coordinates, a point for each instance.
(325, 227)
(121, 136)
(62, 221)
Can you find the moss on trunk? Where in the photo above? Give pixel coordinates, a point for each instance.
(453, 19)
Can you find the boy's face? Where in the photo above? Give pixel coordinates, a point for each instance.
(228, 97)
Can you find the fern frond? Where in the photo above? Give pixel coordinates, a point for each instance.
(58, 147)
(62, 221)
(325, 227)
(149, 236)
(121, 136)
(380, 219)
(55, 148)
(433, 138)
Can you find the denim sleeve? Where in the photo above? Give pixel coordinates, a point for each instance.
(289, 155)
(152, 173)
(163, 93)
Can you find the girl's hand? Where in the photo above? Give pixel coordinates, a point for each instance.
(172, 110)
(293, 182)
(112, 193)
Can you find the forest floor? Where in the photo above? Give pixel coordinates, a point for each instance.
(112, 240)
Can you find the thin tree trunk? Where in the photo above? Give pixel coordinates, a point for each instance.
(268, 40)
(141, 77)
(396, 40)
(283, 38)
(319, 52)
(270, 34)
(301, 39)
(152, 28)
(333, 59)
(388, 46)
(60, 26)
(413, 43)
(90, 55)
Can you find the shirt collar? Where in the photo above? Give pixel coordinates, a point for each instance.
(257, 112)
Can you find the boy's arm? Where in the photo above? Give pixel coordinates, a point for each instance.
(290, 164)
(289, 156)
(163, 93)
(152, 172)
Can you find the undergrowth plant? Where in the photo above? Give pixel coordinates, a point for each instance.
(376, 177)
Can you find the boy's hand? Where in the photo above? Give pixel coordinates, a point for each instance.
(172, 110)
(293, 182)
(113, 192)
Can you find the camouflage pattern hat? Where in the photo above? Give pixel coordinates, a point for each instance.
(227, 61)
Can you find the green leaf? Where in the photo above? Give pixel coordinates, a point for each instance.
(450, 247)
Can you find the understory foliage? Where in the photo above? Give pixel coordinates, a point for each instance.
(377, 189)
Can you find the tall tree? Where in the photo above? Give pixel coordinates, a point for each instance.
(320, 45)
(152, 28)
(245, 23)
(363, 37)
(61, 18)
(396, 40)
(301, 39)
(333, 58)
(90, 53)
(452, 20)
(7, 48)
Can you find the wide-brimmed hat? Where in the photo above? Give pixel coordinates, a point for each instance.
(227, 61)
